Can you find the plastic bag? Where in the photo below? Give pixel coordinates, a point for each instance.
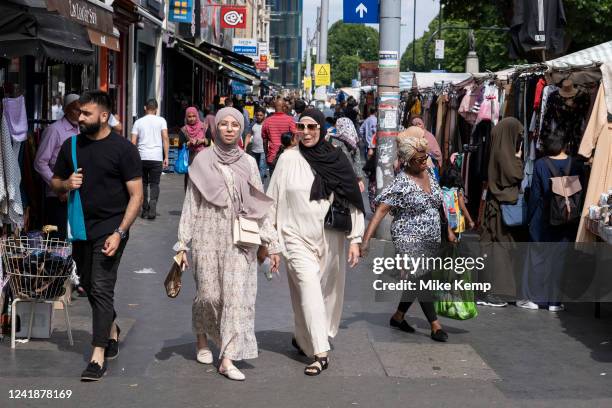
(182, 162)
(456, 303)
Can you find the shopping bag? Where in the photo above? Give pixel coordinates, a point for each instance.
(76, 218)
(182, 162)
(455, 303)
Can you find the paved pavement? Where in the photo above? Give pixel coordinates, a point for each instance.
(504, 358)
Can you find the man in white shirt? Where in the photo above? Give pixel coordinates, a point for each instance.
(150, 135)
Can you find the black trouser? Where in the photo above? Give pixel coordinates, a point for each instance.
(151, 173)
(425, 300)
(57, 214)
(98, 275)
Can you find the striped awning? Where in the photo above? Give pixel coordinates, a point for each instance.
(601, 53)
(405, 81)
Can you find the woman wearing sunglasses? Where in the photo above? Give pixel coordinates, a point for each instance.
(414, 199)
(304, 185)
(224, 183)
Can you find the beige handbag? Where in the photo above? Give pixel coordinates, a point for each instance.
(246, 232)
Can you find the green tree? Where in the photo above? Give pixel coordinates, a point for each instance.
(491, 47)
(346, 69)
(588, 21)
(357, 41)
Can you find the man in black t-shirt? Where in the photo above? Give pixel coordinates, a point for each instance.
(108, 176)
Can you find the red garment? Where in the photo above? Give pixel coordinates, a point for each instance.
(271, 131)
(538, 93)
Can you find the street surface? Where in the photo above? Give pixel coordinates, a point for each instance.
(506, 357)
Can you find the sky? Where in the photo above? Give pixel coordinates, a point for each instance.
(426, 11)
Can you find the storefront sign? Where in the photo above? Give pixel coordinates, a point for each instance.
(261, 65)
(233, 17)
(103, 40)
(181, 11)
(263, 48)
(84, 13)
(245, 46)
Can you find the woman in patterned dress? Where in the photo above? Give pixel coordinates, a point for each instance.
(414, 199)
(223, 183)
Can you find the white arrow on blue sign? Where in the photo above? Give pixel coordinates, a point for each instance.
(360, 11)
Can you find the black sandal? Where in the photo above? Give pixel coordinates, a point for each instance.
(297, 347)
(323, 361)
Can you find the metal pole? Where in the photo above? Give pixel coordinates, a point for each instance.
(308, 66)
(388, 100)
(323, 39)
(414, 38)
(440, 28)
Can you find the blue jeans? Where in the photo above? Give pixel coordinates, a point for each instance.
(260, 158)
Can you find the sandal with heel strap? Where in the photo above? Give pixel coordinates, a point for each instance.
(323, 361)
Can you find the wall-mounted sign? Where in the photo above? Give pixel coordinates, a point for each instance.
(233, 17)
(245, 46)
(181, 11)
(84, 13)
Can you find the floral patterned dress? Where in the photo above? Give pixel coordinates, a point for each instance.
(225, 275)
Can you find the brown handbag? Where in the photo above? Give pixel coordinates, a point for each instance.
(173, 280)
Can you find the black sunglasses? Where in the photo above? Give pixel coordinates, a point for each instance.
(303, 126)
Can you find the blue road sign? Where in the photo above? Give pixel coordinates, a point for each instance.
(360, 11)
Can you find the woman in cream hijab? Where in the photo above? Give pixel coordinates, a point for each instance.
(224, 183)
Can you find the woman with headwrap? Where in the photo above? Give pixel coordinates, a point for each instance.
(414, 199)
(224, 183)
(505, 173)
(304, 185)
(434, 148)
(193, 133)
(345, 138)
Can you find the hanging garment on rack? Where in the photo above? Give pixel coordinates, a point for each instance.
(539, 90)
(13, 213)
(15, 113)
(596, 143)
(566, 115)
(442, 103)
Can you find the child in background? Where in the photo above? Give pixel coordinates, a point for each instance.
(288, 141)
(454, 203)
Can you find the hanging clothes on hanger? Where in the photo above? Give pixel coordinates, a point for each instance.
(11, 209)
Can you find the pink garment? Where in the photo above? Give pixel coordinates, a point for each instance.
(16, 118)
(194, 132)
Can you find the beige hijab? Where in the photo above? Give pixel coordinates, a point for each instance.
(205, 174)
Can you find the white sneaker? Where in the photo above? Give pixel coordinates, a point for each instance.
(559, 308)
(204, 356)
(527, 304)
(232, 373)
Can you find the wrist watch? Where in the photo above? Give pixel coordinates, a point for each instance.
(121, 233)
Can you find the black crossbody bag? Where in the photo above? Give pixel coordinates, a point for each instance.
(339, 217)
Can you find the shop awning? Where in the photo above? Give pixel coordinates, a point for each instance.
(40, 33)
(240, 71)
(104, 40)
(601, 53)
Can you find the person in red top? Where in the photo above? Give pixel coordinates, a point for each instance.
(272, 130)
